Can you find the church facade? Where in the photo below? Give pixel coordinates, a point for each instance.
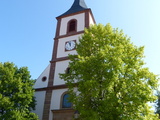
(51, 91)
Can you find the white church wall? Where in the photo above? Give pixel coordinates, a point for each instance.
(40, 97)
(60, 68)
(39, 83)
(56, 101)
(91, 22)
(80, 23)
(56, 98)
(61, 46)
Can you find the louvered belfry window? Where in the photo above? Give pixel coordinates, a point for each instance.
(72, 25)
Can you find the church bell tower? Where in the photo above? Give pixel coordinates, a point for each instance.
(51, 91)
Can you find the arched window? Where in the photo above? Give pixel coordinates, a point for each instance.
(65, 102)
(72, 25)
(68, 70)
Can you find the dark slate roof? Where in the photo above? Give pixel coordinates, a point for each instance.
(78, 5)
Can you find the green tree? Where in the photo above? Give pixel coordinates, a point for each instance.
(107, 79)
(158, 103)
(16, 93)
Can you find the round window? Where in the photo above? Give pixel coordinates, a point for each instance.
(44, 78)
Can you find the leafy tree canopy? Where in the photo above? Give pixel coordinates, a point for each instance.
(16, 93)
(112, 82)
(158, 103)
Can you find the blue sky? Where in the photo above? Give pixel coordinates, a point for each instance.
(27, 28)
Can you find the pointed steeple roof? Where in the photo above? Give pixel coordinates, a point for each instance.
(78, 5)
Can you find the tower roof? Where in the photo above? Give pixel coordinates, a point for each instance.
(78, 5)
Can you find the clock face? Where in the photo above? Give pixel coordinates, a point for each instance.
(70, 45)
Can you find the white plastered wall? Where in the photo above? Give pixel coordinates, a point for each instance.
(39, 83)
(60, 68)
(56, 99)
(61, 46)
(80, 23)
(40, 97)
(91, 21)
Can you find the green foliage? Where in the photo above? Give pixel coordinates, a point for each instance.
(158, 103)
(112, 83)
(16, 93)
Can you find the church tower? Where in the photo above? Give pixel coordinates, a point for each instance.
(51, 91)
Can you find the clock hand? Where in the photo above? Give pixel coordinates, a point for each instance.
(69, 43)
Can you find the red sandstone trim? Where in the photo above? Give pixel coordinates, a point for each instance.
(70, 34)
(73, 14)
(52, 88)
